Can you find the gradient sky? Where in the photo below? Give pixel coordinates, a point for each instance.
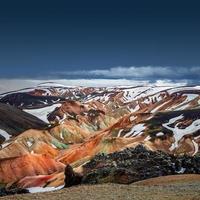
(62, 39)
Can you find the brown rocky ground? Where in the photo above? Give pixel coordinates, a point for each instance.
(181, 187)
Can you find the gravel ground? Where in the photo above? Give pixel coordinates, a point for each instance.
(175, 191)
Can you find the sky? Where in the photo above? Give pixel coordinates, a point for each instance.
(133, 40)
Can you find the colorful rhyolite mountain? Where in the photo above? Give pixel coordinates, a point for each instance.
(54, 136)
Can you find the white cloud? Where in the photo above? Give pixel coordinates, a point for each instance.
(8, 85)
(142, 72)
(170, 83)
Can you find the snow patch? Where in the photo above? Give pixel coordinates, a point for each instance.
(29, 143)
(53, 146)
(119, 133)
(42, 113)
(147, 138)
(180, 133)
(132, 118)
(196, 147)
(135, 130)
(185, 103)
(5, 134)
(5, 144)
(61, 135)
(159, 134)
(46, 189)
(181, 171)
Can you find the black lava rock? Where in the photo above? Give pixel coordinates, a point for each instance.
(134, 164)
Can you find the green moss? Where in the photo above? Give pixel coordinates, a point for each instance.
(71, 137)
(60, 145)
(84, 126)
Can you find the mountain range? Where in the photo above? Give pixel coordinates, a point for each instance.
(54, 136)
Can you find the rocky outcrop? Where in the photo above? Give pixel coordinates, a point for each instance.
(71, 177)
(135, 164)
(4, 191)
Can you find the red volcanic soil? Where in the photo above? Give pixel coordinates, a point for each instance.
(14, 169)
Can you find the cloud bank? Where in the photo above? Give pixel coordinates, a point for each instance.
(143, 72)
(115, 76)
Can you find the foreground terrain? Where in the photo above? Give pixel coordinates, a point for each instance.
(180, 187)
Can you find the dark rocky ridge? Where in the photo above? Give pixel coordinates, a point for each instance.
(25, 100)
(14, 121)
(5, 192)
(135, 164)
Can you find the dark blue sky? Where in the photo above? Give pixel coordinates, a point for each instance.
(40, 37)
